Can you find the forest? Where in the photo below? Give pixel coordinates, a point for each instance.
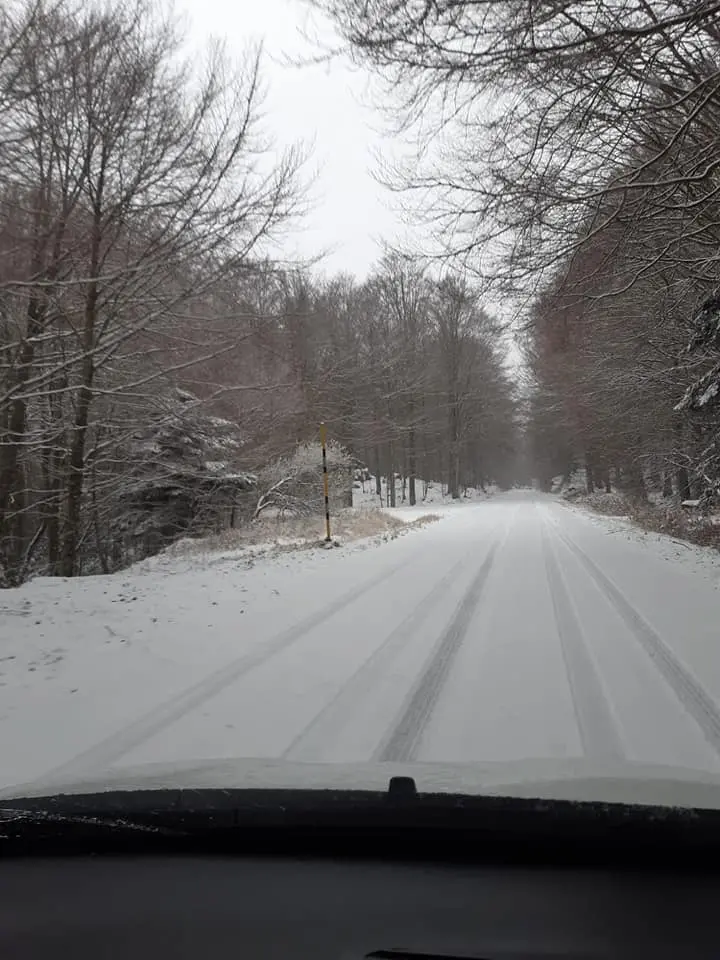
(568, 157)
(158, 367)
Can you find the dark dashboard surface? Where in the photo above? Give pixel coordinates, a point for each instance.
(246, 907)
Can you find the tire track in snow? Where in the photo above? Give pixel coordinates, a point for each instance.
(110, 749)
(358, 688)
(689, 691)
(598, 730)
(404, 738)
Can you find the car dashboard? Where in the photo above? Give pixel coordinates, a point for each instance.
(492, 880)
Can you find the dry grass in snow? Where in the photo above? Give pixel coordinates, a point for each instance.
(302, 533)
(666, 518)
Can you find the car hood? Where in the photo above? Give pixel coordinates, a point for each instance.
(567, 779)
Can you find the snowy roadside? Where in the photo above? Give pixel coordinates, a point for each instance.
(81, 657)
(432, 498)
(272, 536)
(699, 560)
(657, 518)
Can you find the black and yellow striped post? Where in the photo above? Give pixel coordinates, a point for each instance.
(326, 485)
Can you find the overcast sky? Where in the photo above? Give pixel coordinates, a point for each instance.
(319, 103)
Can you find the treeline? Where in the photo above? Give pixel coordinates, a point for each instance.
(407, 371)
(409, 374)
(570, 152)
(618, 379)
(135, 183)
(624, 338)
(153, 359)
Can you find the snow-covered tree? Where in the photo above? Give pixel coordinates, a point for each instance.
(133, 182)
(293, 484)
(184, 478)
(701, 402)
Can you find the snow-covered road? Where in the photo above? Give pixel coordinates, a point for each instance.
(513, 629)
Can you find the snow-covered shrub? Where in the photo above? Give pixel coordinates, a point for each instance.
(293, 484)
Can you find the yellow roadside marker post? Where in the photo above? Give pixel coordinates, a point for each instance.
(326, 487)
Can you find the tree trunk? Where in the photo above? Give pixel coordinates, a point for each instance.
(76, 472)
(75, 483)
(99, 544)
(635, 481)
(349, 487)
(683, 483)
(655, 478)
(53, 467)
(454, 458)
(391, 496)
(589, 477)
(412, 467)
(51, 470)
(11, 472)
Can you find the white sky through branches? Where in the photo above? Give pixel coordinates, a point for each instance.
(320, 104)
(327, 106)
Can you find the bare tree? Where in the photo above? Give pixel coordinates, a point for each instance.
(524, 112)
(134, 182)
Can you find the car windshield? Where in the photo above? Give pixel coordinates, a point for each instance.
(359, 385)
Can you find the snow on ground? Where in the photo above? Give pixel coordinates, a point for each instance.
(516, 629)
(431, 498)
(702, 561)
(79, 658)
